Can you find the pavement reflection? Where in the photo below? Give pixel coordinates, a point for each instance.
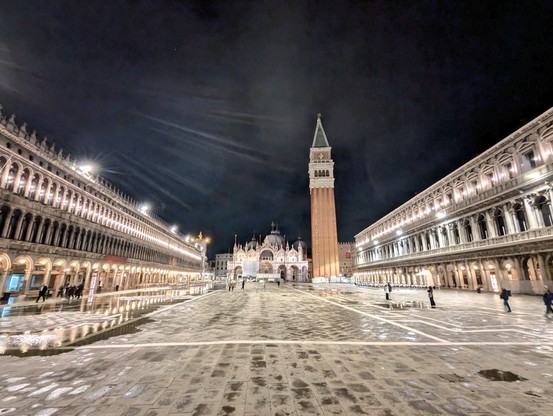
(70, 322)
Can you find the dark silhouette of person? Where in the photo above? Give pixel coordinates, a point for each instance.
(505, 296)
(431, 296)
(243, 283)
(42, 293)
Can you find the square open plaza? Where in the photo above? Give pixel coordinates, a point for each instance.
(109, 310)
(329, 349)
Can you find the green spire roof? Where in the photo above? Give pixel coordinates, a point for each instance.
(320, 140)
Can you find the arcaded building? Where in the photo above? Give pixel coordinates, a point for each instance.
(60, 225)
(488, 224)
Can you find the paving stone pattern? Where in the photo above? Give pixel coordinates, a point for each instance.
(302, 350)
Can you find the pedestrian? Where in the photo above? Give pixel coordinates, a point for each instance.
(547, 299)
(387, 290)
(243, 283)
(505, 296)
(229, 285)
(100, 285)
(431, 296)
(232, 285)
(42, 293)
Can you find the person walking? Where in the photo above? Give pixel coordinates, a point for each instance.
(505, 296)
(547, 300)
(42, 293)
(431, 297)
(243, 283)
(387, 290)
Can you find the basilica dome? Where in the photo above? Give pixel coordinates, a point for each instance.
(252, 244)
(299, 242)
(274, 239)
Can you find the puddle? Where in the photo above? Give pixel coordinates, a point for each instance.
(403, 305)
(498, 375)
(121, 321)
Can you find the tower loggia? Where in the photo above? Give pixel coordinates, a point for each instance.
(324, 235)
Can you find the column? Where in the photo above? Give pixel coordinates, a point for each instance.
(545, 275)
(490, 222)
(530, 215)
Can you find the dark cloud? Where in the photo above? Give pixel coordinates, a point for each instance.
(207, 109)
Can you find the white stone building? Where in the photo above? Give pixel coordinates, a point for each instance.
(487, 224)
(59, 225)
(221, 265)
(272, 259)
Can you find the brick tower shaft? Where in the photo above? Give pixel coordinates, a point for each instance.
(324, 235)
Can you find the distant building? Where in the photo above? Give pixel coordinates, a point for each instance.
(346, 261)
(273, 259)
(220, 265)
(324, 234)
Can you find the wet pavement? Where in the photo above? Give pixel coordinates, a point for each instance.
(294, 350)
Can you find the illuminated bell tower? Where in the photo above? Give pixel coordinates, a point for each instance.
(324, 235)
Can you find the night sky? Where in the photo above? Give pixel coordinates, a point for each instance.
(207, 110)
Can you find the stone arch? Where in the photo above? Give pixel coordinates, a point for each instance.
(5, 215)
(530, 268)
(15, 216)
(5, 262)
(266, 255)
(482, 226)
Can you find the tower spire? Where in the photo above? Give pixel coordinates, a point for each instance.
(319, 139)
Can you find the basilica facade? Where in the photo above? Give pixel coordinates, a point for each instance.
(61, 225)
(272, 259)
(488, 225)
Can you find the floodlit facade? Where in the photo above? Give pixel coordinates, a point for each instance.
(345, 258)
(221, 265)
(272, 260)
(324, 234)
(486, 225)
(60, 224)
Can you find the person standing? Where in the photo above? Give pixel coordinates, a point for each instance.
(42, 293)
(431, 297)
(387, 290)
(243, 283)
(547, 300)
(505, 296)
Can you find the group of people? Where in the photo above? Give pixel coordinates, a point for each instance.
(547, 300)
(504, 294)
(71, 291)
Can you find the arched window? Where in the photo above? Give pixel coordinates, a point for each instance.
(482, 227)
(456, 235)
(44, 232)
(34, 231)
(25, 224)
(499, 222)
(545, 209)
(14, 220)
(520, 217)
(468, 231)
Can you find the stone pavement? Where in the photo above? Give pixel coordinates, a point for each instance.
(303, 350)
